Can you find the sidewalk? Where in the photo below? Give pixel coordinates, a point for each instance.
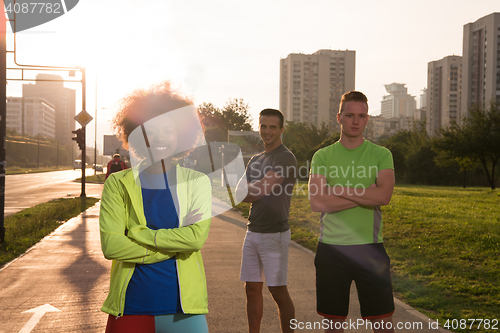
(67, 271)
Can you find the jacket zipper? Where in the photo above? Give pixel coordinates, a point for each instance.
(122, 308)
(179, 283)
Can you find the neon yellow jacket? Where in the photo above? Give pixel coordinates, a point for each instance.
(127, 240)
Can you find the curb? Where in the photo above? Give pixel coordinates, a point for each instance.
(47, 237)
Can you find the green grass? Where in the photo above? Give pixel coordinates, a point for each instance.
(444, 244)
(25, 228)
(98, 178)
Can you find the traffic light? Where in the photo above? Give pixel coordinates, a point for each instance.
(79, 138)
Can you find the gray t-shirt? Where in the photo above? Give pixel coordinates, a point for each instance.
(270, 213)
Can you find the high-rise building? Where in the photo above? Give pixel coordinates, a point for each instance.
(398, 104)
(379, 126)
(443, 92)
(481, 62)
(423, 98)
(31, 116)
(420, 114)
(15, 112)
(311, 85)
(63, 99)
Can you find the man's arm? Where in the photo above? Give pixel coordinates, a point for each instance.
(371, 196)
(322, 200)
(250, 192)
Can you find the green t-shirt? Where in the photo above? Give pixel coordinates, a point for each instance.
(356, 168)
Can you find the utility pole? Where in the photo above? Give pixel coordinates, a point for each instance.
(38, 153)
(3, 115)
(95, 131)
(84, 150)
(80, 140)
(83, 118)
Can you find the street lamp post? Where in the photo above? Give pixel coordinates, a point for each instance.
(95, 131)
(3, 116)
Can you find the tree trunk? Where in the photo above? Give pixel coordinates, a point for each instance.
(493, 173)
(491, 179)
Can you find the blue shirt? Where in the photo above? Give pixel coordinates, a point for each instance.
(153, 289)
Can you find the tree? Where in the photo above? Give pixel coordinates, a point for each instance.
(213, 123)
(476, 139)
(234, 116)
(444, 158)
(414, 159)
(398, 144)
(407, 146)
(327, 142)
(301, 137)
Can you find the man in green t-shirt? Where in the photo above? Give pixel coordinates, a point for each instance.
(349, 181)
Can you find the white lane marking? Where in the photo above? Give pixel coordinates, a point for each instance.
(37, 315)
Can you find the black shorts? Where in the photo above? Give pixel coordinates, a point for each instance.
(368, 265)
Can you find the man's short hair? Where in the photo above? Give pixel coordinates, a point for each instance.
(275, 113)
(353, 96)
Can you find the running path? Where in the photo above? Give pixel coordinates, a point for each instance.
(66, 270)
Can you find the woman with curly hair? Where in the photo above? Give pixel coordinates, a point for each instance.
(155, 218)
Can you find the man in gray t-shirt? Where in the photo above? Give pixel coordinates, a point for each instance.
(268, 185)
(270, 213)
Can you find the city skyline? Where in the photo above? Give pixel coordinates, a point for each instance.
(221, 50)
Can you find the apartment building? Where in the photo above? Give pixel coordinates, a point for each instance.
(398, 104)
(378, 127)
(49, 87)
(15, 112)
(443, 92)
(420, 114)
(311, 85)
(481, 62)
(31, 116)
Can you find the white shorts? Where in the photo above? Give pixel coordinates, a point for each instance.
(265, 254)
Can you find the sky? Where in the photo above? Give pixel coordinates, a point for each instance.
(221, 49)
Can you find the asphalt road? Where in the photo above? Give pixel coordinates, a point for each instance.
(27, 190)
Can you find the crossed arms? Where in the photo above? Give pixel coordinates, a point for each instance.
(331, 199)
(324, 198)
(139, 244)
(250, 192)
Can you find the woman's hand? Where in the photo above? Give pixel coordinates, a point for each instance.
(193, 217)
